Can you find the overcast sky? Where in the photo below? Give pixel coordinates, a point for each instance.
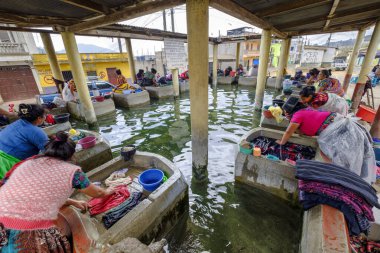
(218, 22)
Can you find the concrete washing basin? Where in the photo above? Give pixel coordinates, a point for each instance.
(101, 108)
(131, 100)
(160, 92)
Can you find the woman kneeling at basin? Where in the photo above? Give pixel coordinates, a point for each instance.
(324, 101)
(342, 140)
(32, 194)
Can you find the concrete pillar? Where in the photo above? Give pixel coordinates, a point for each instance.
(175, 81)
(75, 62)
(131, 60)
(366, 67)
(214, 65)
(375, 128)
(285, 47)
(263, 68)
(197, 39)
(353, 58)
(237, 55)
(52, 57)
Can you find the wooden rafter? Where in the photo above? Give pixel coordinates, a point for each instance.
(331, 14)
(33, 20)
(137, 10)
(288, 6)
(231, 8)
(89, 5)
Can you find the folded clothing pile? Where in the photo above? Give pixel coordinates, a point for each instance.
(101, 205)
(289, 151)
(329, 184)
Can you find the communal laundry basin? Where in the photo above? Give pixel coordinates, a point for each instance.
(247, 80)
(184, 86)
(131, 100)
(225, 79)
(276, 177)
(272, 123)
(93, 157)
(52, 130)
(160, 92)
(151, 219)
(101, 108)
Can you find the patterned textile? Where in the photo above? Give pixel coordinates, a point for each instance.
(45, 180)
(326, 123)
(319, 99)
(35, 241)
(120, 211)
(117, 178)
(336, 104)
(121, 80)
(360, 244)
(336, 192)
(331, 85)
(101, 205)
(80, 180)
(290, 151)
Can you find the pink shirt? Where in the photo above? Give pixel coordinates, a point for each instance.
(309, 120)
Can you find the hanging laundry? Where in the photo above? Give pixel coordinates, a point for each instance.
(101, 205)
(289, 151)
(117, 178)
(112, 216)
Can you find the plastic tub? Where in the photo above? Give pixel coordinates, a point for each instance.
(127, 152)
(247, 151)
(267, 114)
(366, 113)
(279, 102)
(62, 118)
(151, 179)
(99, 98)
(87, 142)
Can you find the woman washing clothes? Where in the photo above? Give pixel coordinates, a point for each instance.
(329, 84)
(343, 141)
(313, 76)
(324, 101)
(23, 138)
(122, 83)
(33, 194)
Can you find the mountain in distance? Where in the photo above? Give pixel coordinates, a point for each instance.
(85, 49)
(346, 43)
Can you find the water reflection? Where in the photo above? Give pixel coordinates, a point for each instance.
(223, 216)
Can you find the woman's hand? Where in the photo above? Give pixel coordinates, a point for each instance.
(81, 205)
(279, 142)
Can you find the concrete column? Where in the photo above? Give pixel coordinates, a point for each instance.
(79, 78)
(197, 38)
(375, 128)
(353, 58)
(285, 47)
(175, 82)
(237, 55)
(52, 57)
(131, 60)
(263, 68)
(366, 67)
(215, 65)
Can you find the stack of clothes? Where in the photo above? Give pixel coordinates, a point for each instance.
(324, 183)
(289, 151)
(115, 206)
(360, 244)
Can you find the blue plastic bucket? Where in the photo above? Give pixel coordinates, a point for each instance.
(377, 153)
(151, 179)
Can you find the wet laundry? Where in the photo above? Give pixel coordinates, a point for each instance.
(117, 178)
(112, 216)
(289, 151)
(322, 183)
(101, 205)
(360, 244)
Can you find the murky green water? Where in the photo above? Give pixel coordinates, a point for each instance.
(224, 216)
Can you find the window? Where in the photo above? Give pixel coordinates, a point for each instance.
(91, 73)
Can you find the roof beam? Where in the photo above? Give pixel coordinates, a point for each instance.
(137, 10)
(34, 20)
(288, 6)
(332, 11)
(231, 8)
(89, 5)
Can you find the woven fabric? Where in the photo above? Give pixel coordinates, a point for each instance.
(101, 205)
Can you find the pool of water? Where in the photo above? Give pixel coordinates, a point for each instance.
(223, 216)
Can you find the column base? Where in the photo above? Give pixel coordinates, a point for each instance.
(200, 173)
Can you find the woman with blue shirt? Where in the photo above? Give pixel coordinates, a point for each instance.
(23, 138)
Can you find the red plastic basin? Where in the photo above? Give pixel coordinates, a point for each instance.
(87, 142)
(366, 113)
